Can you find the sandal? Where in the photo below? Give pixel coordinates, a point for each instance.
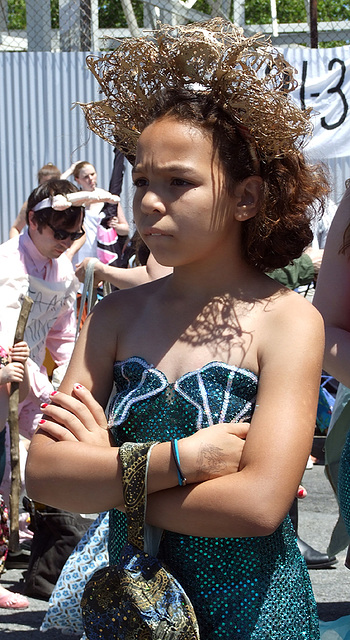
(12, 600)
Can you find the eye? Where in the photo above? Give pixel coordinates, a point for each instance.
(140, 182)
(180, 182)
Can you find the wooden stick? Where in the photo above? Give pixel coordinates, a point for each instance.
(14, 435)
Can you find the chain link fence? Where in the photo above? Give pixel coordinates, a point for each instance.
(89, 25)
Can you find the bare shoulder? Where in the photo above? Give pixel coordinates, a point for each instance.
(294, 323)
(280, 306)
(293, 309)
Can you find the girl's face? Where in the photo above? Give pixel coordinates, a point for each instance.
(181, 206)
(87, 178)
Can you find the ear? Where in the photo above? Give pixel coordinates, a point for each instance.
(248, 194)
(32, 224)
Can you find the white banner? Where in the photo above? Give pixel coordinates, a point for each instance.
(324, 85)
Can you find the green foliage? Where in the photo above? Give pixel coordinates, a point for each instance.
(16, 14)
(111, 14)
(259, 11)
(332, 43)
(55, 21)
(334, 10)
(202, 5)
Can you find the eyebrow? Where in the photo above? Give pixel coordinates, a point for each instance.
(170, 168)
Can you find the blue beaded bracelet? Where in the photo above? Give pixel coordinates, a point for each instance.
(175, 451)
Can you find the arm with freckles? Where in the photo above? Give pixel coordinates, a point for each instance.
(72, 462)
(332, 296)
(255, 500)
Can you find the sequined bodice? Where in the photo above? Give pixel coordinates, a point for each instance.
(215, 393)
(241, 588)
(344, 483)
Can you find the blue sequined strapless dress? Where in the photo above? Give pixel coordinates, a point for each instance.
(241, 588)
(344, 483)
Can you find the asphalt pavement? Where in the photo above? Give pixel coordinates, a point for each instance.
(317, 516)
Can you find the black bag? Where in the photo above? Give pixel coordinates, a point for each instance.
(56, 534)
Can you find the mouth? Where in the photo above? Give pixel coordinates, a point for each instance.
(155, 233)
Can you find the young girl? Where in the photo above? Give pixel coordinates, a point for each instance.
(12, 369)
(86, 177)
(222, 193)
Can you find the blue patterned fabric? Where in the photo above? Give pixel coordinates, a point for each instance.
(344, 483)
(90, 554)
(241, 588)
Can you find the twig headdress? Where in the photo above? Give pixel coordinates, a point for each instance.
(246, 76)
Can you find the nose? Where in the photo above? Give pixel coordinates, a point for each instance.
(67, 242)
(152, 203)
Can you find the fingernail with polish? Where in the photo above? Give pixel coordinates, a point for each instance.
(53, 393)
(41, 421)
(43, 405)
(78, 386)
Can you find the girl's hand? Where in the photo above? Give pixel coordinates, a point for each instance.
(79, 419)
(212, 452)
(19, 352)
(13, 372)
(301, 492)
(80, 271)
(113, 222)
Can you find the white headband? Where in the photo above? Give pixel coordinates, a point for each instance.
(59, 203)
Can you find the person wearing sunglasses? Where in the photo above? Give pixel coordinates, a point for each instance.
(62, 234)
(35, 264)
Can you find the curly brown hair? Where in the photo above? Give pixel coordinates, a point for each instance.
(293, 191)
(294, 194)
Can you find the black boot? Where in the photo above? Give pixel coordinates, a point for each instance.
(314, 559)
